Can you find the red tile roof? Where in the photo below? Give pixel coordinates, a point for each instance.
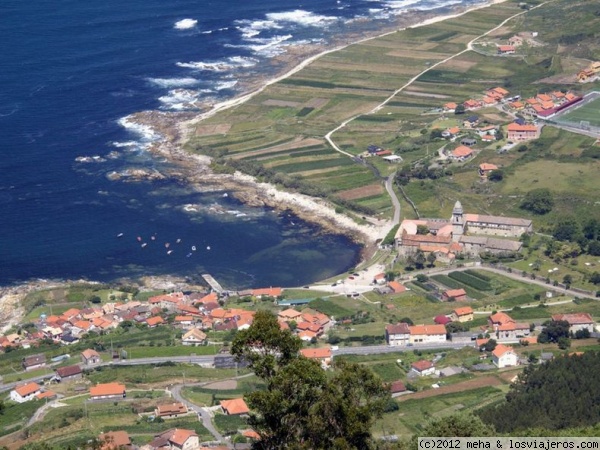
(27, 389)
(316, 353)
(235, 406)
(106, 389)
(422, 365)
(501, 350)
(427, 330)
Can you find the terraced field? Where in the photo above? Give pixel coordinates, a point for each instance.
(282, 128)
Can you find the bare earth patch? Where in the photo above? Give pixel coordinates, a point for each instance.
(459, 65)
(469, 385)
(206, 130)
(316, 103)
(361, 192)
(223, 385)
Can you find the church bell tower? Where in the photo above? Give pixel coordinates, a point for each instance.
(458, 222)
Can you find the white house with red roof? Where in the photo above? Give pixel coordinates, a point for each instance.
(504, 356)
(423, 368)
(25, 392)
(427, 334)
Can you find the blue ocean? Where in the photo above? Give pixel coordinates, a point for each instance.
(72, 70)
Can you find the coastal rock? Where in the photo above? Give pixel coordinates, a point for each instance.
(133, 175)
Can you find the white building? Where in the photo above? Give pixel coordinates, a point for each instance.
(25, 392)
(398, 334)
(426, 334)
(504, 356)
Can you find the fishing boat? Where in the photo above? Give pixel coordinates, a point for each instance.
(167, 245)
(139, 238)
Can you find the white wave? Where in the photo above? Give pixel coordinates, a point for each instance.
(438, 5)
(206, 32)
(301, 17)
(221, 85)
(265, 47)
(251, 28)
(145, 132)
(185, 24)
(220, 66)
(124, 144)
(400, 4)
(173, 82)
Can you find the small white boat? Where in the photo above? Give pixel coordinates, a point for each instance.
(178, 241)
(193, 248)
(144, 244)
(169, 252)
(188, 255)
(208, 247)
(139, 238)
(153, 238)
(167, 245)
(120, 235)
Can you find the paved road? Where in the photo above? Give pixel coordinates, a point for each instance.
(203, 414)
(378, 349)
(389, 187)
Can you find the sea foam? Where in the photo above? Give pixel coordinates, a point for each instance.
(220, 66)
(301, 17)
(267, 47)
(173, 82)
(185, 24)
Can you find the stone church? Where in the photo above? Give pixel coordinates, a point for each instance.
(470, 234)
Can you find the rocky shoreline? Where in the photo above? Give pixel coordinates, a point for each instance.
(176, 128)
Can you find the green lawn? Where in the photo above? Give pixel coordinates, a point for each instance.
(587, 112)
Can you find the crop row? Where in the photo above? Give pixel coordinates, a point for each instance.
(470, 280)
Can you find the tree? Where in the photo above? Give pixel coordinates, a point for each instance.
(567, 229)
(407, 320)
(553, 331)
(431, 258)
(582, 334)
(420, 259)
(265, 346)
(422, 229)
(538, 201)
(567, 280)
(490, 345)
(302, 406)
(564, 343)
(460, 109)
(594, 248)
(456, 327)
(496, 175)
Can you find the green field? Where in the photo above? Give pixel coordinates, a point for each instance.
(590, 112)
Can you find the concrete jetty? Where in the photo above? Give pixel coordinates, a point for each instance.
(213, 283)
